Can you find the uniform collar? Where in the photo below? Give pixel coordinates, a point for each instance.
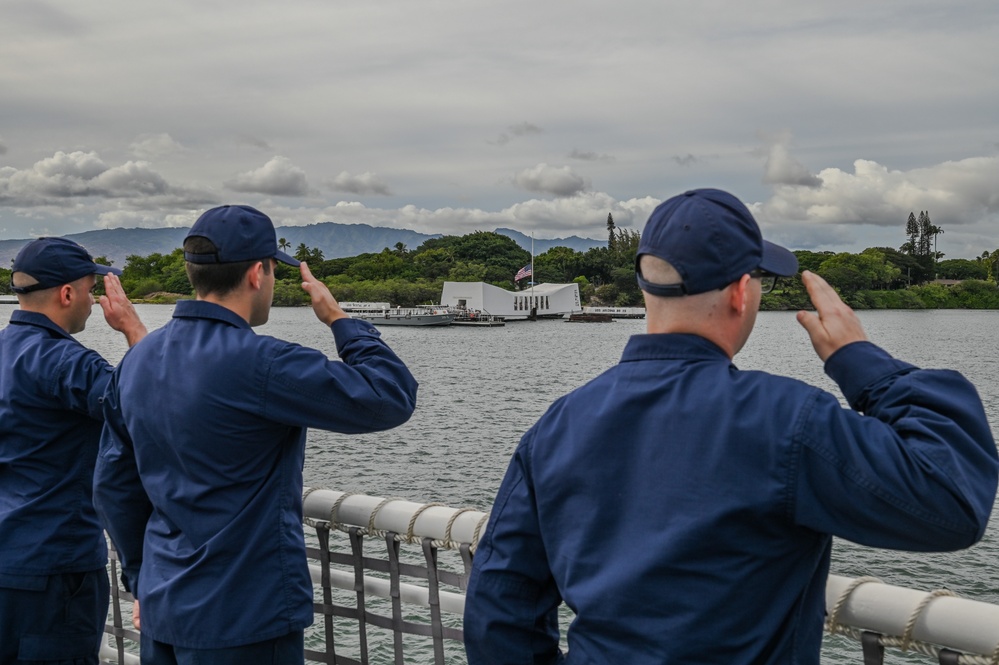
(23, 317)
(665, 346)
(202, 309)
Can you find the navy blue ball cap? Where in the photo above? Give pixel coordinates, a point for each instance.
(712, 240)
(54, 262)
(239, 233)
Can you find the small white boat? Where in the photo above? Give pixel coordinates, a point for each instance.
(382, 314)
(617, 312)
(473, 317)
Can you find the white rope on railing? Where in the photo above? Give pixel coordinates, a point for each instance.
(448, 528)
(410, 536)
(910, 625)
(910, 620)
(453, 544)
(478, 531)
(904, 619)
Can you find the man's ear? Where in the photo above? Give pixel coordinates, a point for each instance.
(65, 295)
(739, 294)
(255, 275)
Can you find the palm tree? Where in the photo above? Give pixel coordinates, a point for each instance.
(935, 231)
(283, 244)
(302, 252)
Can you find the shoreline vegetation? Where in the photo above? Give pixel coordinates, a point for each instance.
(970, 294)
(912, 277)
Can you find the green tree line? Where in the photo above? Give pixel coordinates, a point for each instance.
(876, 278)
(885, 278)
(407, 277)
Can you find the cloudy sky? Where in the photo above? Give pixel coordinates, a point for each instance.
(832, 119)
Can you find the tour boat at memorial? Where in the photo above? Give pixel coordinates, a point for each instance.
(617, 312)
(382, 314)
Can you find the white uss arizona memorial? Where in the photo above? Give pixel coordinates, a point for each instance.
(550, 300)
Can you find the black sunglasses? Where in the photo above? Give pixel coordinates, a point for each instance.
(768, 280)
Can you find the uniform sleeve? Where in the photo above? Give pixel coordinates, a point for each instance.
(511, 606)
(81, 381)
(912, 466)
(119, 498)
(370, 391)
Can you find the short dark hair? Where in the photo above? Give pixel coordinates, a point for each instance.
(22, 279)
(216, 278)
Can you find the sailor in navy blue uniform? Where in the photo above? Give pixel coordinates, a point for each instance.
(683, 509)
(199, 477)
(53, 583)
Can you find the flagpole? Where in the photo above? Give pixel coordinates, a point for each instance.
(532, 270)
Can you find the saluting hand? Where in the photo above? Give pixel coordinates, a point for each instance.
(325, 306)
(119, 311)
(834, 324)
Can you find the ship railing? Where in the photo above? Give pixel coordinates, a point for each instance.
(390, 576)
(939, 624)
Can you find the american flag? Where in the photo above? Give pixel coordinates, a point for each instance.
(523, 272)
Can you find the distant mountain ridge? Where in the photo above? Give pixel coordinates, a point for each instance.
(334, 239)
(542, 245)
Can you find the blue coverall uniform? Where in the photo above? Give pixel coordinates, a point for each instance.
(53, 583)
(684, 510)
(199, 478)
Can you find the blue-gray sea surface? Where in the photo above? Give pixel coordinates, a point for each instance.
(481, 388)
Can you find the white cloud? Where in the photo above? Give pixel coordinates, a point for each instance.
(365, 183)
(865, 206)
(146, 219)
(151, 146)
(133, 179)
(69, 169)
(783, 169)
(278, 177)
(584, 215)
(961, 192)
(545, 179)
(961, 197)
(588, 210)
(66, 178)
(653, 100)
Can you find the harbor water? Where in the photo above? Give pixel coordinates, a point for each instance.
(481, 388)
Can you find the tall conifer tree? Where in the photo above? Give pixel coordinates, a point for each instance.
(912, 231)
